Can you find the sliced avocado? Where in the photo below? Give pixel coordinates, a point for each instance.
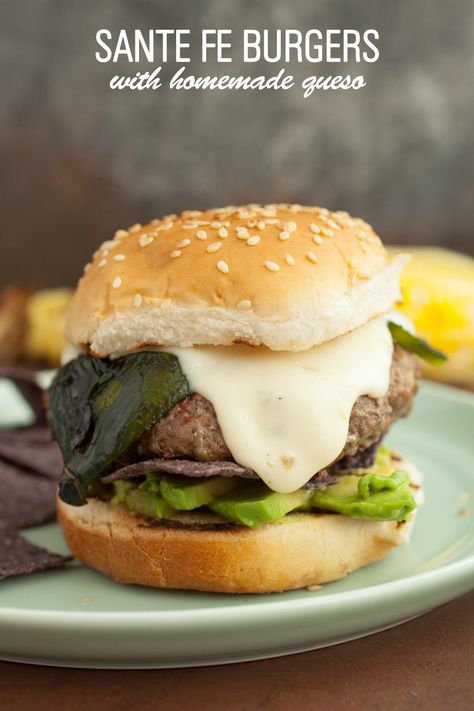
(148, 504)
(184, 495)
(372, 482)
(370, 497)
(383, 461)
(151, 483)
(255, 506)
(121, 488)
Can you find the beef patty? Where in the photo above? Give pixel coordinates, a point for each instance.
(191, 430)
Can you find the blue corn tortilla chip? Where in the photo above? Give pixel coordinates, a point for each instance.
(32, 448)
(27, 499)
(30, 465)
(20, 557)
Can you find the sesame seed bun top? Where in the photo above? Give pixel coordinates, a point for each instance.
(284, 276)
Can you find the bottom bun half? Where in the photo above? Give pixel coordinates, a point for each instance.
(198, 553)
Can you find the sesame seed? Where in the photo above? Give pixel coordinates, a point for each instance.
(176, 253)
(272, 266)
(223, 232)
(109, 244)
(119, 257)
(284, 235)
(117, 283)
(333, 224)
(271, 222)
(102, 263)
(324, 211)
(214, 246)
(190, 225)
(252, 241)
(242, 233)
(361, 234)
(351, 223)
(318, 240)
(289, 260)
(171, 217)
(201, 234)
(120, 234)
(216, 225)
(252, 223)
(167, 226)
(138, 300)
(223, 267)
(244, 304)
(135, 228)
(145, 240)
(291, 226)
(364, 247)
(312, 257)
(87, 267)
(261, 225)
(315, 229)
(326, 232)
(184, 243)
(105, 252)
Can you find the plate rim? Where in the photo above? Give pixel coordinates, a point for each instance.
(363, 595)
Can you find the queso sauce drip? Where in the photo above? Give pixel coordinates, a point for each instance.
(286, 415)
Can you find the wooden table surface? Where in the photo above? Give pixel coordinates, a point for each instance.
(427, 663)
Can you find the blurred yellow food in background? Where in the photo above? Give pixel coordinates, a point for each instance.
(44, 332)
(438, 296)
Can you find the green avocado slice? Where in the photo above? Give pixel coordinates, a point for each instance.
(185, 496)
(121, 489)
(372, 496)
(379, 494)
(256, 506)
(148, 504)
(139, 500)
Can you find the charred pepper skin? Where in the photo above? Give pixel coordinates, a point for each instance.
(416, 345)
(98, 408)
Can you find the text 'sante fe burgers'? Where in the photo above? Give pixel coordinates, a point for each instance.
(231, 376)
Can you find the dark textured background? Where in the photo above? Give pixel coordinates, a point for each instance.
(79, 161)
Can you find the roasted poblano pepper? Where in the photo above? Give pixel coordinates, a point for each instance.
(416, 345)
(98, 408)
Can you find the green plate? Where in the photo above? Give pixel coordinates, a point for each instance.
(77, 617)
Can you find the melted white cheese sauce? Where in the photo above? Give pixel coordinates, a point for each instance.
(286, 415)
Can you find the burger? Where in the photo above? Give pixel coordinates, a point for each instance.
(222, 404)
